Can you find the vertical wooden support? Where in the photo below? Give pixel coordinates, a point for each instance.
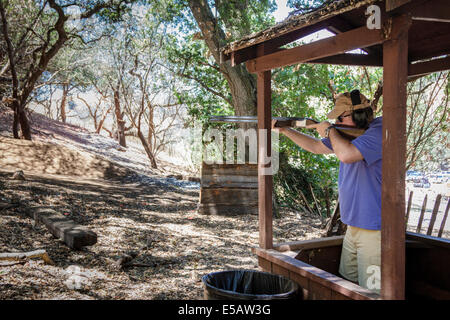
(433, 215)
(444, 219)
(408, 209)
(264, 108)
(395, 65)
(422, 214)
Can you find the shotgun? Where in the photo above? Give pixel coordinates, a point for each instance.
(292, 122)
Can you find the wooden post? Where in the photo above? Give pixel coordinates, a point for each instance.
(265, 185)
(422, 214)
(444, 219)
(395, 64)
(434, 214)
(408, 210)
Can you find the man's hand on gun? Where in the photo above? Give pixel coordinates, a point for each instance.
(320, 127)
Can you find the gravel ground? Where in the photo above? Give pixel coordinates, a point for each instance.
(158, 222)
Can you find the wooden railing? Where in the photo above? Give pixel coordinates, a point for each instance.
(434, 214)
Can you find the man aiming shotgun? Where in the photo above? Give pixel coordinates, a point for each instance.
(359, 182)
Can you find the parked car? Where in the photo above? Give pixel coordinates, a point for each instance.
(421, 183)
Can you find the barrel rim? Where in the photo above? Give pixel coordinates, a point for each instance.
(295, 286)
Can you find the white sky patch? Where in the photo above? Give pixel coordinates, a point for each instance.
(282, 11)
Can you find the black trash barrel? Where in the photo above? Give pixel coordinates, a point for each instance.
(248, 285)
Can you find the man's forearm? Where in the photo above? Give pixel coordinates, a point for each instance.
(306, 142)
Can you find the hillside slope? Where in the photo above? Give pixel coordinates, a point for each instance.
(65, 149)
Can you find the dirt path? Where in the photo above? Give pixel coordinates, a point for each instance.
(158, 221)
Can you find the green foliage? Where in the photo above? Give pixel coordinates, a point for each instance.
(295, 178)
(306, 6)
(205, 90)
(242, 17)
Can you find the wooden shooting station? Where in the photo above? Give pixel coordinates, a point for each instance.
(414, 40)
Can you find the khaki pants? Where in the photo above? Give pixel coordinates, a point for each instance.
(361, 257)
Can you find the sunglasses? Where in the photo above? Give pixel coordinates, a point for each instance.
(341, 118)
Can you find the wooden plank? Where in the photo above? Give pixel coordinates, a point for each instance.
(347, 41)
(229, 181)
(327, 258)
(265, 183)
(434, 241)
(73, 235)
(339, 24)
(428, 291)
(337, 296)
(239, 185)
(409, 208)
(444, 220)
(276, 269)
(429, 265)
(350, 59)
(303, 282)
(217, 178)
(229, 169)
(309, 244)
(434, 214)
(434, 46)
(422, 213)
(318, 291)
(435, 11)
(228, 195)
(395, 63)
(273, 45)
(265, 264)
(226, 209)
(394, 4)
(322, 277)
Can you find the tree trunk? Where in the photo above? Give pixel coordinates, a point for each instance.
(242, 83)
(63, 102)
(119, 119)
(18, 107)
(147, 149)
(24, 124)
(15, 127)
(151, 128)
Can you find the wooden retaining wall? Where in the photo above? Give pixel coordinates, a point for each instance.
(228, 189)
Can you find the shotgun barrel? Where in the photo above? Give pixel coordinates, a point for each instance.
(292, 122)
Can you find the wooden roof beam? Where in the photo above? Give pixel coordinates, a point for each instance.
(430, 48)
(351, 59)
(339, 25)
(415, 70)
(424, 68)
(341, 43)
(425, 10)
(437, 11)
(273, 45)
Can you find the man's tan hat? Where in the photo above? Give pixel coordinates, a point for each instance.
(348, 101)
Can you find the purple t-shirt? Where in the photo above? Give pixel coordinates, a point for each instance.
(360, 182)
